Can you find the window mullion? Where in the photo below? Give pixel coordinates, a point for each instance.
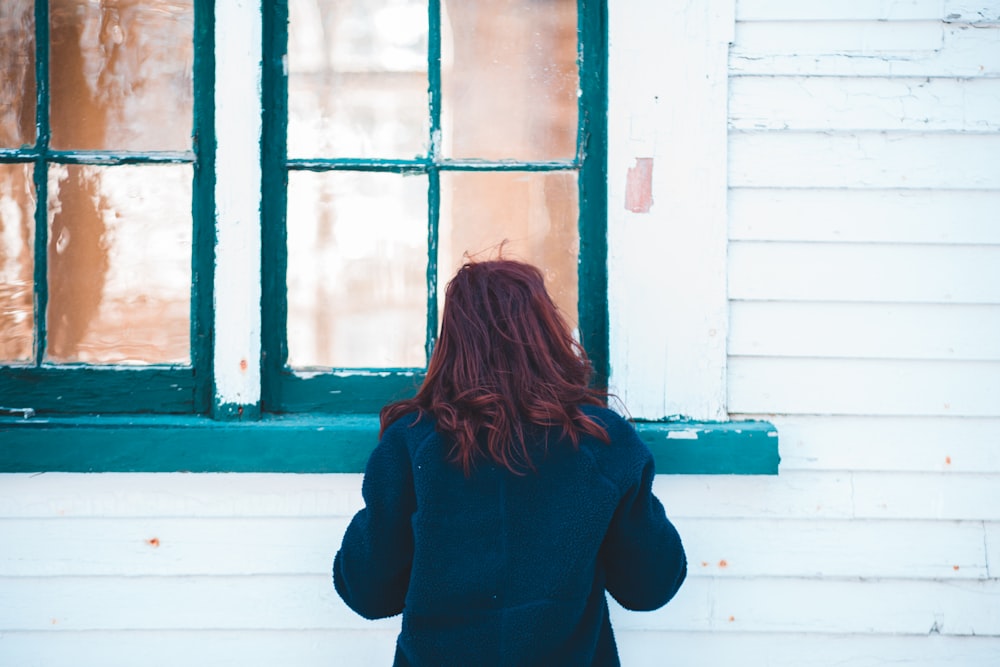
(434, 175)
(237, 313)
(40, 174)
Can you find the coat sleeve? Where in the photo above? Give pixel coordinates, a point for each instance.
(642, 551)
(371, 572)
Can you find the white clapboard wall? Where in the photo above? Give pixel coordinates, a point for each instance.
(864, 285)
(864, 282)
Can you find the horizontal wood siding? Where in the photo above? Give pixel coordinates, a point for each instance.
(864, 285)
(222, 563)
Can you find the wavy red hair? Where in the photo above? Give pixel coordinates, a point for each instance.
(504, 361)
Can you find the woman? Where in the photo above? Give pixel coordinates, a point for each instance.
(503, 500)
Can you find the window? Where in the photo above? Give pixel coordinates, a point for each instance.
(397, 135)
(400, 135)
(102, 207)
(225, 212)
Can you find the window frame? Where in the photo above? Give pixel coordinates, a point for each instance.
(43, 387)
(367, 390)
(231, 435)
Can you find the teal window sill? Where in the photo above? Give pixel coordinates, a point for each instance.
(318, 444)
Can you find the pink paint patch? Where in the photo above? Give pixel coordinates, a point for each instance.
(639, 186)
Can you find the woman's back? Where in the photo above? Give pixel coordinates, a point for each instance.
(497, 568)
(503, 500)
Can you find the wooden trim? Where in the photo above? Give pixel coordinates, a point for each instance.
(238, 197)
(314, 444)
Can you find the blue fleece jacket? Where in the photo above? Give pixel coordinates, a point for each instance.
(501, 569)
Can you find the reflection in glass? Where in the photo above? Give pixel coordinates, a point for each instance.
(17, 210)
(357, 267)
(17, 73)
(530, 216)
(357, 78)
(121, 74)
(119, 275)
(509, 79)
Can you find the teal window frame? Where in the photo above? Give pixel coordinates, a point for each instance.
(80, 388)
(367, 390)
(178, 432)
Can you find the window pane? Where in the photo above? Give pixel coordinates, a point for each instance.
(121, 74)
(357, 267)
(509, 79)
(357, 79)
(534, 212)
(17, 73)
(17, 210)
(119, 270)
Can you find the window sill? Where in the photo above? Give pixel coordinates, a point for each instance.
(317, 444)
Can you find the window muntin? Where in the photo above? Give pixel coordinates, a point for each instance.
(497, 152)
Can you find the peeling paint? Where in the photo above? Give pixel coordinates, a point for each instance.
(639, 186)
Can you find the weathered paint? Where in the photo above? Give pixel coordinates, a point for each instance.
(669, 355)
(287, 391)
(318, 445)
(238, 206)
(639, 186)
(79, 388)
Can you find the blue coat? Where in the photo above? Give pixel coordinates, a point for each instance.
(501, 569)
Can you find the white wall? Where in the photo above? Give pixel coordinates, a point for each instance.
(863, 270)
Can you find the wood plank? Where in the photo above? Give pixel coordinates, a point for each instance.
(926, 496)
(698, 649)
(178, 495)
(864, 330)
(809, 548)
(864, 103)
(168, 546)
(362, 648)
(865, 215)
(839, 10)
(862, 38)
(864, 160)
(177, 603)
(795, 494)
(219, 648)
(961, 53)
(883, 273)
(838, 606)
(760, 385)
(155, 496)
(902, 444)
(247, 547)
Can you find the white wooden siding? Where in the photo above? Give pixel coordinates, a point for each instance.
(90, 563)
(864, 279)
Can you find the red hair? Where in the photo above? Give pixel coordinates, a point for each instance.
(505, 360)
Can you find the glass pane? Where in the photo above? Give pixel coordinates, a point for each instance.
(17, 240)
(357, 78)
(532, 215)
(121, 74)
(357, 270)
(119, 264)
(17, 73)
(509, 79)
